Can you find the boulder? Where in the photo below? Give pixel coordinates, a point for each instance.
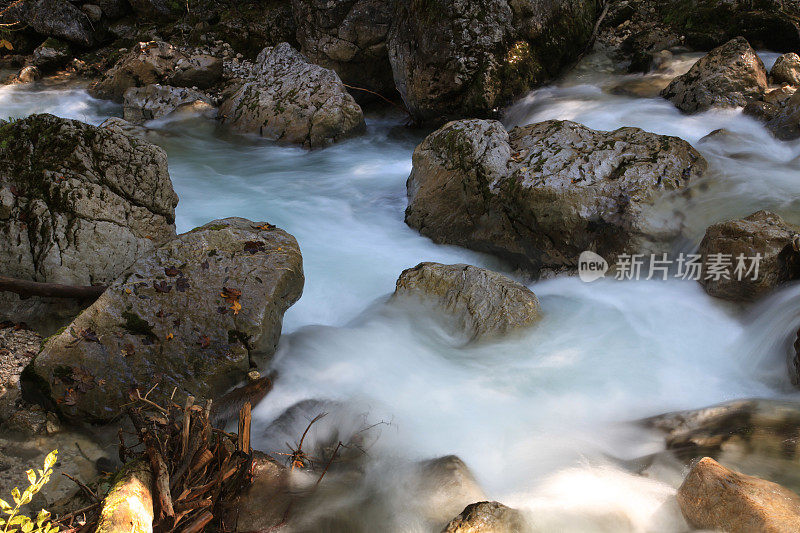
(716, 498)
(27, 74)
(759, 436)
(196, 314)
(59, 19)
(113, 9)
(158, 10)
(93, 11)
(288, 99)
(468, 58)
(487, 517)
(250, 26)
(442, 487)
(786, 70)
(262, 505)
(157, 101)
(51, 54)
(762, 111)
(78, 205)
(728, 76)
(540, 195)
(785, 123)
(481, 302)
(158, 62)
(739, 241)
(349, 37)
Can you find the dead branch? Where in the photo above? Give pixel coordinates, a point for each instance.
(26, 289)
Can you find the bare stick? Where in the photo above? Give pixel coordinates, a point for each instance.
(26, 288)
(244, 428)
(89, 492)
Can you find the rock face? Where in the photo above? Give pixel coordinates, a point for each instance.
(483, 303)
(157, 101)
(487, 517)
(194, 314)
(728, 76)
(158, 9)
(57, 18)
(348, 36)
(785, 123)
(540, 195)
(716, 498)
(50, 54)
(288, 99)
(467, 58)
(761, 233)
(157, 62)
(78, 205)
(786, 69)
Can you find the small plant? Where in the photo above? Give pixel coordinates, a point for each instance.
(16, 522)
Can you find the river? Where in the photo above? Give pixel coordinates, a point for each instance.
(539, 417)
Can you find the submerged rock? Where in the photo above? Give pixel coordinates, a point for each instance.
(468, 58)
(786, 69)
(540, 195)
(717, 498)
(263, 505)
(482, 303)
(288, 99)
(487, 517)
(157, 62)
(761, 234)
(157, 101)
(348, 36)
(729, 76)
(442, 487)
(195, 314)
(78, 205)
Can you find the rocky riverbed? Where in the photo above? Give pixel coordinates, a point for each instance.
(472, 266)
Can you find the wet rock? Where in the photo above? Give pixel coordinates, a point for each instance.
(94, 12)
(349, 37)
(263, 504)
(717, 498)
(482, 303)
(786, 69)
(779, 96)
(443, 487)
(466, 58)
(51, 54)
(757, 436)
(196, 314)
(80, 204)
(27, 74)
(728, 76)
(487, 517)
(157, 62)
(785, 125)
(762, 233)
(286, 98)
(157, 101)
(540, 195)
(760, 110)
(57, 18)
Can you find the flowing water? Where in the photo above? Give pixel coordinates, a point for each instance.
(539, 417)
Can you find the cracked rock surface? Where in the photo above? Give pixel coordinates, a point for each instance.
(78, 205)
(194, 314)
(286, 98)
(539, 195)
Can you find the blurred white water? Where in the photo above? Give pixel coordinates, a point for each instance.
(539, 417)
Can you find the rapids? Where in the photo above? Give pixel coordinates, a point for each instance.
(539, 417)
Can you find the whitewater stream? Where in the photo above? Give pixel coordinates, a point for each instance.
(540, 417)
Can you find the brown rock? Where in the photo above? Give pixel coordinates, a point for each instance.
(487, 517)
(714, 497)
(761, 233)
(786, 69)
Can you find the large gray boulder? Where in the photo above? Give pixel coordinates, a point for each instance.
(56, 18)
(158, 62)
(158, 101)
(348, 36)
(540, 195)
(78, 205)
(762, 233)
(730, 75)
(716, 498)
(468, 58)
(487, 517)
(195, 314)
(482, 303)
(286, 98)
